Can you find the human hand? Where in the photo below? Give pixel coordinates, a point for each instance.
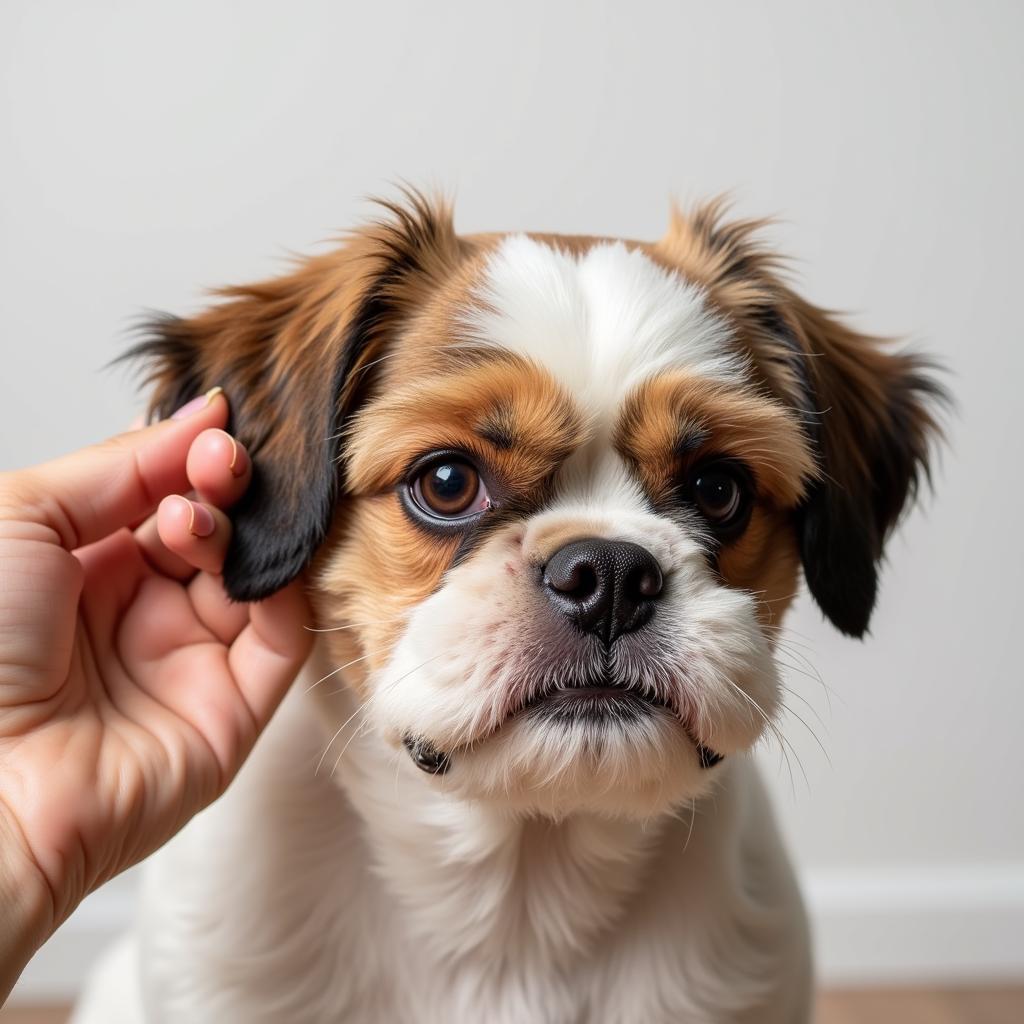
(131, 688)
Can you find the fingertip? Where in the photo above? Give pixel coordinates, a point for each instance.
(194, 531)
(219, 467)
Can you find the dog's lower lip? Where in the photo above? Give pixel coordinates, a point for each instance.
(594, 701)
(604, 692)
(611, 700)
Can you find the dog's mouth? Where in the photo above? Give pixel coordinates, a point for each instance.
(603, 700)
(602, 703)
(609, 702)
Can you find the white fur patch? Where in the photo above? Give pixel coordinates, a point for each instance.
(600, 322)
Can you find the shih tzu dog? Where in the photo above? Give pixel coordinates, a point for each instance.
(552, 496)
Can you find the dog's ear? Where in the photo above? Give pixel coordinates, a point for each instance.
(294, 356)
(870, 413)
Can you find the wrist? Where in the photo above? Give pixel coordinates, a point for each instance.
(26, 906)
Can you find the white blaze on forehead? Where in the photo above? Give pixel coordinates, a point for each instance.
(596, 477)
(600, 322)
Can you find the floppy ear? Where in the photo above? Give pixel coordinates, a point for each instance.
(294, 356)
(874, 423)
(869, 412)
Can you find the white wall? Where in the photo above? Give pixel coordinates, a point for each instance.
(148, 151)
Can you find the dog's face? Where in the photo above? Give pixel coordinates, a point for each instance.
(555, 493)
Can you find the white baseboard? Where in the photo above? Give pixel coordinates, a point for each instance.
(886, 925)
(909, 924)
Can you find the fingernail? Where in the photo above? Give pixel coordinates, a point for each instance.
(200, 519)
(239, 460)
(197, 404)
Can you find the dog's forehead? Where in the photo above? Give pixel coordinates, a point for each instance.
(600, 318)
(575, 366)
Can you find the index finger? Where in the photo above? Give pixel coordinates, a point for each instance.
(90, 493)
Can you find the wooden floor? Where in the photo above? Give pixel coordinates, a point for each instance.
(922, 1006)
(896, 1006)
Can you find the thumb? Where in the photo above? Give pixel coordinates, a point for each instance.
(90, 493)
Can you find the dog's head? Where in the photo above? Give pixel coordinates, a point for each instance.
(556, 491)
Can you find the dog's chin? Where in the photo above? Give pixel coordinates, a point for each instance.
(591, 749)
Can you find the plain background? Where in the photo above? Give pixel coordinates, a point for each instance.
(148, 151)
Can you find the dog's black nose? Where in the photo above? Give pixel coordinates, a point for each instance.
(605, 587)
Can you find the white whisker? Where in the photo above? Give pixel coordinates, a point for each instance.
(341, 729)
(334, 672)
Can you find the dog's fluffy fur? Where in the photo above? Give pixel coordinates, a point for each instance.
(557, 867)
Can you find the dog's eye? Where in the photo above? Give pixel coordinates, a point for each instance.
(718, 494)
(450, 489)
(721, 491)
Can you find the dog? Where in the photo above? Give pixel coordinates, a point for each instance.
(552, 497)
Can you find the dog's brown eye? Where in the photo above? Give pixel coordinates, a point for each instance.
(450, 490)
(721, 491)
(718, 494)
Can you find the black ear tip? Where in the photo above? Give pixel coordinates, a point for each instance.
(244, 583)
(846, 596)
(840, 554)
(258, 564)
(274, 539)
(850, 617)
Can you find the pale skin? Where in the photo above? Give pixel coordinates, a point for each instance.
(131, 688)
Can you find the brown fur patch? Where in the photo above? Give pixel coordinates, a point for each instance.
(374, 570)
(765, 562)
(673, 421)
(459, 409)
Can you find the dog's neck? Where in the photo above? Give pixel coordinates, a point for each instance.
(477, 879)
